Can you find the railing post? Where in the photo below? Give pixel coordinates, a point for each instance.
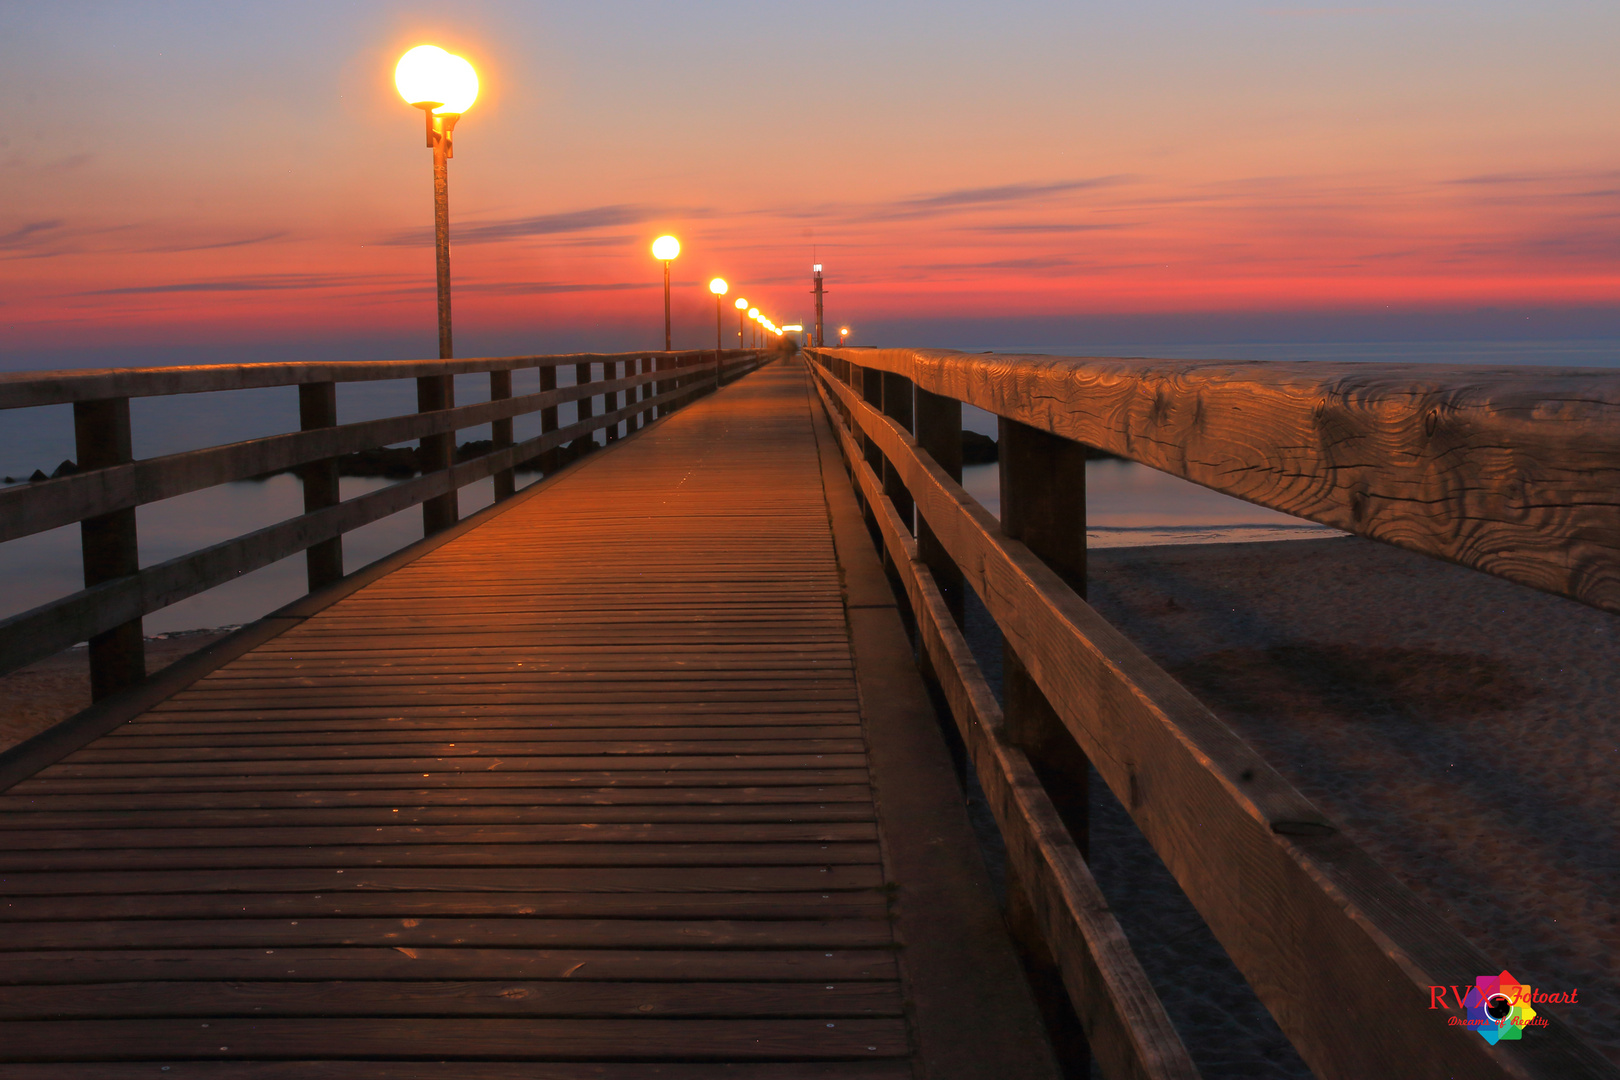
(437, 452)
(317, 408)
(644, 368)
(610, 398)
(1043, 504)
(582, 377)
(870, 385)
(110, 550)
(500, 432)
(939, 432)
(897, 406)
(548, 419)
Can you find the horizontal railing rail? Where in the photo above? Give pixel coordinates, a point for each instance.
(1341, 953)
(1513, 471)
(103, 494)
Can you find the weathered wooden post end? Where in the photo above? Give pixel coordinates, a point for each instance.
(437, 452)
(500, 433)
(317, 408)
(110, 550)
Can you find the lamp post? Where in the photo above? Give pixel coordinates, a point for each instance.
(443, 86)
(753, 313)
(818, 291)
(664, 249)
(742, 312)
(719, 287)
(843, 336)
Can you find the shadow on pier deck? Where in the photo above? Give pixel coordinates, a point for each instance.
(632, 775)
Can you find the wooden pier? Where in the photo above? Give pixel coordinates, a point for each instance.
(643, 771)
(590, 781)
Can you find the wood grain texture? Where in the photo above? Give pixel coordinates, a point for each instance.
(581, 787)
(1285, 892)
(1513, 471)
(1127, 1029)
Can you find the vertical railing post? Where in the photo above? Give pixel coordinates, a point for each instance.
(1043, 504)
(939, 433)
(500, 433)
(644, 368)
(317, 408)
(582, 377)
(870, 386)
(437, 452)
(110, 550)
(660, 386)
(898, 406)
(610, 398)
(548, 419)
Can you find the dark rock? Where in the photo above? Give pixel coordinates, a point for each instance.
(978, 449)
(395, 462)
(37, 477)
(474, 448)
(67, 468)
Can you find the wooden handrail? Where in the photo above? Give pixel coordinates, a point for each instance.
(1127, 1028)
(24, 389)
(108, 610)
(1513, 471)
(1340, 952)
(48, 504)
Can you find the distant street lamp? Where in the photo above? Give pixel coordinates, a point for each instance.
(753, 313)
(717, 286)
(664, 249)
(843, 335)
(443, 86)
(742, 310)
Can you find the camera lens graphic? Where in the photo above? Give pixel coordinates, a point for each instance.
(1499, 1007)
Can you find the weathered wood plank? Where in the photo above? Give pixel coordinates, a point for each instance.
(642, 1039)
(562, 998)
(1513, 471)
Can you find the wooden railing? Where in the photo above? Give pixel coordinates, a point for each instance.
(1512, 471)
(110, 484)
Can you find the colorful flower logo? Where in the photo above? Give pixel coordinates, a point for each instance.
(1499, 1007)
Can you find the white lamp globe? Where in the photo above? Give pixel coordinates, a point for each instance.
(429, 75)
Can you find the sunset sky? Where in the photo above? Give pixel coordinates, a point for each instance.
(242, 180)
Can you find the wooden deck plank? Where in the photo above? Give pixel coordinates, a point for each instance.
(588, 781)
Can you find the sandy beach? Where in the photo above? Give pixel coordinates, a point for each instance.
(1463, 729)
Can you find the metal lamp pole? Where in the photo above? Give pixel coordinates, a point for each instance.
(442, 86)
(664, 249)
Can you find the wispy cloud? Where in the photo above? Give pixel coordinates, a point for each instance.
(1002, 194)
(260, 283)
(598, 217)
(31, 234)
(1021, 228)
(168, 249)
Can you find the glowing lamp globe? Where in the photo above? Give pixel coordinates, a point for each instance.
(428, 76)
(718, 286)
(666, 248)
(753, 313)
(741, 303)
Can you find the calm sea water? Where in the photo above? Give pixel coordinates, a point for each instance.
(1128, 504)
